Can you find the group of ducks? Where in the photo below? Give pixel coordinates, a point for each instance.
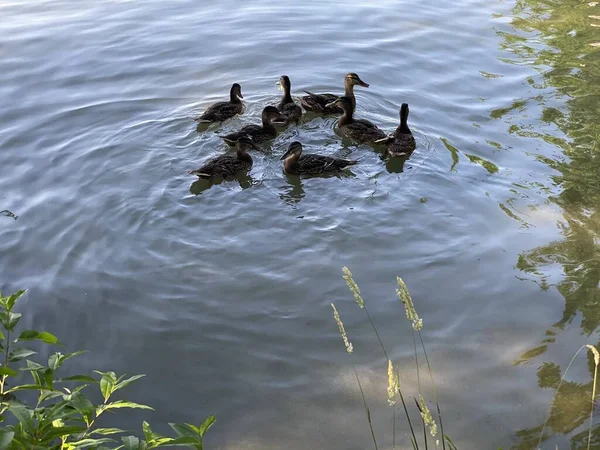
(399, 144)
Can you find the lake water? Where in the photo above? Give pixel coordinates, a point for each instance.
(222, 295)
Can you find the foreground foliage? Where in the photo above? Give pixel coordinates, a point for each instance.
(57, 413)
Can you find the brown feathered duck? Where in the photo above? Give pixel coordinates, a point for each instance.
(321, 103)
(259, 133)
(402, 142)
(297, 163)
(360, 130)
(287, 107)
(228, 165)
(222, 111)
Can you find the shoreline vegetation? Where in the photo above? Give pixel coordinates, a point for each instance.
(61, 416)
(429, 423)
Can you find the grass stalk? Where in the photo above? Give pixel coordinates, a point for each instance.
(596, 362)
(437, 405)
(412, 430)
(367, 411)
(423, 421)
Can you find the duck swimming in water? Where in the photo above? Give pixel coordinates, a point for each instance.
(320, 103)
(259, 133)
(296, 163)
(228, 165)
(222, 111)
(286, 106)
(402, 142)
(360, 130)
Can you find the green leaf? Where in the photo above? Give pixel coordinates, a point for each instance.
(148, 434)
(185, 441)
(208, 422)
(8, 371)
(19, 353)
(44, 336)
(85, 443)
(56, 432)
(2, 336)
(23, 415)
(49, 378)
(124, 383)
(10, 301)
(107, 383)
(13, 320)
(29, 387)
(130, 442)
(78, 378)
(125, 404)
(33, 366)
(81, 404)
(184, 430)
(107, 431)
(5, 438)
(57, 359)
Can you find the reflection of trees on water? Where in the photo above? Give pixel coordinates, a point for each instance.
(570, 60)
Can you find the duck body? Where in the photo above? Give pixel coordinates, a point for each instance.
(297, 163)
(322, 103)
(402, 142)
(287, 107)
(359, 130)
(259, 133)
(221, 111)
(228, 165)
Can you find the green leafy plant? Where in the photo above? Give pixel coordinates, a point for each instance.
(61, 416)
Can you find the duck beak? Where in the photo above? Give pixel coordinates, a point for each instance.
(279, 85)
(286, 154)
(362, 83)
(240, 95)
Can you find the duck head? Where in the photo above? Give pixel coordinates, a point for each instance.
(236, 93)
(294, 151)
(271, 115)
(284, 83)
(245, 143)
(354, 80)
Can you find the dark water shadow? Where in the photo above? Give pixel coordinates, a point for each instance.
(395, 165)
(201, 185)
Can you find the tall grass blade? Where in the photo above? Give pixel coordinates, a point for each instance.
(596, 362)
(366, 409)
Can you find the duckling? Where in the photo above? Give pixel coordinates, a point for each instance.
(228, 165)
(402, 142)
(360, 130)
(222, 111)
(259, 133)
(295, 163)
(320, 103)
(286, 106)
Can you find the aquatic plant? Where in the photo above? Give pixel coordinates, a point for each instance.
(394, 389)
(63, 417)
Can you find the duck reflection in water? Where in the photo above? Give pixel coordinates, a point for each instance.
(395, 165)
(200, 185)
(294, 191)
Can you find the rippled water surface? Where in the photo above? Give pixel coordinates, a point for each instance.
(222, 295)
